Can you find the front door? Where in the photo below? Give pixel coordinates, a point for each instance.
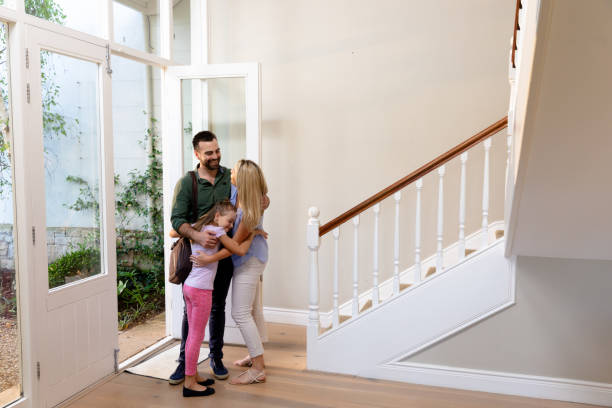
(222, 98)
(71, 170)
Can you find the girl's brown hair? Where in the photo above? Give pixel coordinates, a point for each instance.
(222, 207)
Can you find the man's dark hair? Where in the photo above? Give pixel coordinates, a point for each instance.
(203, 136)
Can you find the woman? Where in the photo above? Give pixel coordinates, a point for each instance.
(247, 311)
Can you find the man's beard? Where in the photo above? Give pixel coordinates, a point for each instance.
(211, 166)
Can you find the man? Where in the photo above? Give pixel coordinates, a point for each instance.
(213, 182)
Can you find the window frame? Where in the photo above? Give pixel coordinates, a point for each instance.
(17, 20)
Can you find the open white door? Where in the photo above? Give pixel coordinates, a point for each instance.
(74, 285)
(223, 98)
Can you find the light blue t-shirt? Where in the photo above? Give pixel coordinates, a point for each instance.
(259, 246)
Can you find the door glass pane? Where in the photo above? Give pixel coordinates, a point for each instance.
(71, 133)
(226, 113)
(138, 210)
(136, 24)
(10, 344)
(77, 14)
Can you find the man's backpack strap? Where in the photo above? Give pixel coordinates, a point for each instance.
(194, 194)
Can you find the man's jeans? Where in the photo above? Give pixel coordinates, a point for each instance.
(216, 323)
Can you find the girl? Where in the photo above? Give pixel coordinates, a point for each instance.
(248, 268)
(197, 290)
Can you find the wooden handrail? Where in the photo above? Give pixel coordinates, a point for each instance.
(415, 175)
(519, 5)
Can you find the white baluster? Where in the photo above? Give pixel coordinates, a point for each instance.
(417, 233)
(375, 291)
(485, 196)
(312, 240)
(336, 314)
(396, 285)
(464, 157)
(356, 268)
(440, 256)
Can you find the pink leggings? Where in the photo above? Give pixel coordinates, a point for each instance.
(198, 302)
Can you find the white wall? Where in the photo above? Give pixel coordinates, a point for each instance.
(559, 327)
(356, 94)
(562, 197)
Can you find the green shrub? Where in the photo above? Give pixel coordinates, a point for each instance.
(82, 263)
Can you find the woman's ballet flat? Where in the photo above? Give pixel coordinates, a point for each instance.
(249, 377)
(207, 382)
(192, 393)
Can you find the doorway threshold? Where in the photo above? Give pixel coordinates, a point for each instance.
(146, 353)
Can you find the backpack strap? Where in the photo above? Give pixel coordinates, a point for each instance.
(194, 194)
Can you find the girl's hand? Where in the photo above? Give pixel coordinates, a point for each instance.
(260, 232)
(201, 259)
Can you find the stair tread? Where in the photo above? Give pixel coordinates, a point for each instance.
(366, 306)
(405, 286)
(499, 234)
(469, 251)
(341, 319)
(430, 271)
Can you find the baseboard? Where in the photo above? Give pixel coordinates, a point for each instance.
(562, 389)
(286, 316)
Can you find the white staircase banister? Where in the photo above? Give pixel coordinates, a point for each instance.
(312, 240)
(375, 291)
(356, 267)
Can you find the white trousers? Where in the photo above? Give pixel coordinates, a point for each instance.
(247, 307)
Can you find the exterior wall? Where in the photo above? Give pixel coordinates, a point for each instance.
(559, 327)
(7, 249)
(355, 95)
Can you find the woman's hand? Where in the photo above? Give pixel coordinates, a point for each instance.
(260, 232)
(201, 259)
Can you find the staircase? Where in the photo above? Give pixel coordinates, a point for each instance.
(436, 296)
(418, 317)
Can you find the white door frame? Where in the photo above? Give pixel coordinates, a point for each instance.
(95, 342)
(172, 146)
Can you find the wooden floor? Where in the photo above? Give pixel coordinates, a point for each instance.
(289, 385)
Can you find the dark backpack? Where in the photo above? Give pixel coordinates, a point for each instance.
(180, 264)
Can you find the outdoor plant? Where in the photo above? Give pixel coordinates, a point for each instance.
(81, 263)
(55, 124)
(140, 251)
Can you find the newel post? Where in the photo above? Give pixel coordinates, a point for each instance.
(312, 240)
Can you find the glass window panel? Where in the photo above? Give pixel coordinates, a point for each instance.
(139, 200)
(9, 4)
(77, 14)
(136, 24)
(181, 45)
(10, 344)
(189, 160)
(226, 117)
(71, 130)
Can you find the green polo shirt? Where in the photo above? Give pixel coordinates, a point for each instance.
(208, 195)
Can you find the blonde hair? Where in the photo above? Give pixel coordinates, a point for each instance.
(222, 207)
(252, 187)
